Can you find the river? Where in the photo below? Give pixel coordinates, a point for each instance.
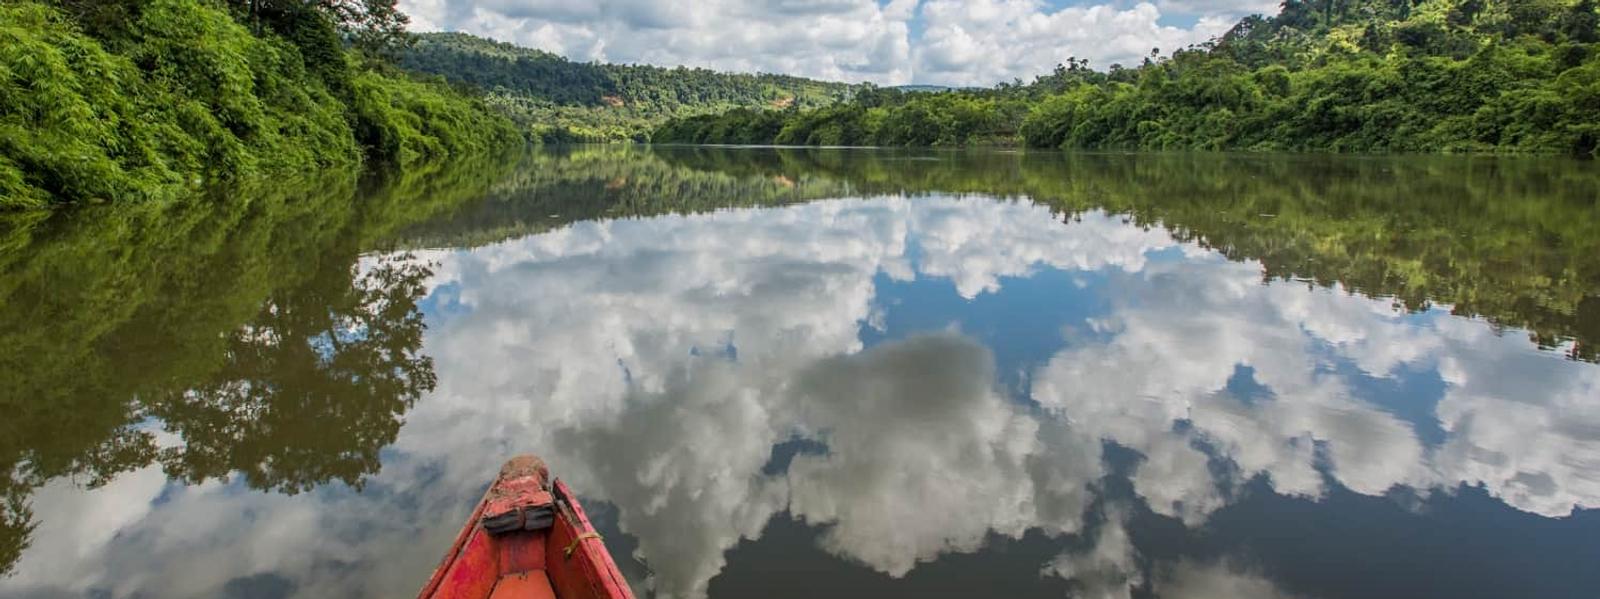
(823, 373)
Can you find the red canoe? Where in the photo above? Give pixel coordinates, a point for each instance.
(528, 538)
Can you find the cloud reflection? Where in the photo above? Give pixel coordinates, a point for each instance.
(925, 456)
(657, 362)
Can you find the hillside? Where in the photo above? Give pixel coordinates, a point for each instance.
(567, 100)
(1338, 75)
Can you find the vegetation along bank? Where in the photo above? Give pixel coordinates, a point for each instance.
(560, 100)
(141, 100)
(1340, 75)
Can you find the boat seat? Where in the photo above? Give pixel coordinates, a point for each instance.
(523, 585)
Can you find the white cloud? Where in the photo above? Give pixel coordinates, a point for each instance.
(844, 40)
(955, 42)
(1229, 8)
(980, 42)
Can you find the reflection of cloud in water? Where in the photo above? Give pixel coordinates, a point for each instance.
(1181, 337)
(656, 362)
(677, 438)
(1523, 425)
(925, 457)
(1177, 343)
(1190, 580)
(1110, 569)
(975, 248)
(684, 467)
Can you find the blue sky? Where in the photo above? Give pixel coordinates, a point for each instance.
(889, 42)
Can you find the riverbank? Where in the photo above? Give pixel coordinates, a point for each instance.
(148, 101)
(1362, 77)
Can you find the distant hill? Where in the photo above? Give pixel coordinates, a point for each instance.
(1365, 76)
(924, 88)
(568, 100)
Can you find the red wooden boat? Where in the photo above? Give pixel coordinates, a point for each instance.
(528, 538)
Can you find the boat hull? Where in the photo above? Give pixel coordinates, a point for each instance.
(528, 538)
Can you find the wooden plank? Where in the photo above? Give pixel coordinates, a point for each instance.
(524, 585)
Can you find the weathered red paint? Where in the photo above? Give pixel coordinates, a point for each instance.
(586, 571)
(566, 561)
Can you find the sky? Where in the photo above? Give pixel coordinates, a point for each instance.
(887, 42)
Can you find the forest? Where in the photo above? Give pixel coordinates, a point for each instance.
(1336, 75)
(145, 100)
(561, 100)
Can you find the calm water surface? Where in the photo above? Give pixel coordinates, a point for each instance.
(806, 373)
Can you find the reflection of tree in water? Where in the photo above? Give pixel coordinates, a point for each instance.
(309, 390)
(307, 393)
(16, 523)
(1508, 240)
(240, 320)
(123, 449)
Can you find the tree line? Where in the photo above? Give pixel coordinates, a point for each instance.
(565, 100)
(1334, 75)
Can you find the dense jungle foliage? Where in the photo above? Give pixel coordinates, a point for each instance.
(136, 100)
(562, 100)
(1339, 75)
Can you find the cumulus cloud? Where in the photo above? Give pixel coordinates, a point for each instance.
(979, 42)
(1219, 8)
(950, 42)
(844, 40)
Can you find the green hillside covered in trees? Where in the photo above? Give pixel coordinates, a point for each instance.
(563, 100)
(1333, 75)
(138, 100)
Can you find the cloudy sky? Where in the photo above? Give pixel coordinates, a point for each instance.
(889, 42)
